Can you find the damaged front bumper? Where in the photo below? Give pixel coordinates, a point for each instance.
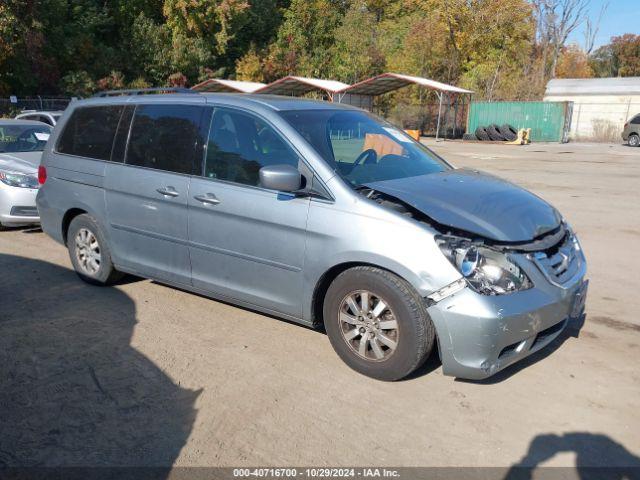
(479, 335)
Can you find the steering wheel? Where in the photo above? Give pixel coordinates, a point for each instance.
(368, 156)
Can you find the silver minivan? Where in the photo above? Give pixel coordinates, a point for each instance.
(315, 212)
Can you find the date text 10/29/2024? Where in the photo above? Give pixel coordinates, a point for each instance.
(286, 473)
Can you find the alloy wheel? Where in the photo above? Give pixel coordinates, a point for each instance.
(88, 251)
(368, 325)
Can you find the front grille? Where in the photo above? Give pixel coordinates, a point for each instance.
(24, 211)
(561, 262)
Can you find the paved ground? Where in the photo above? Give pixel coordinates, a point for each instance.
(145, 374)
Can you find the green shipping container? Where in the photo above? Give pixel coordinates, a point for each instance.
(548, 121)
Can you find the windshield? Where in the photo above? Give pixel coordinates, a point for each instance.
(23, 138)
(363, 148)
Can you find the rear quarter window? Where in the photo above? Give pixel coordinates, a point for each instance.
(90, 132)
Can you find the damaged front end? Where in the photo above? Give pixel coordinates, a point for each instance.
(513, 298)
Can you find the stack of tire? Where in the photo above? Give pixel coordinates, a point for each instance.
(493, 133)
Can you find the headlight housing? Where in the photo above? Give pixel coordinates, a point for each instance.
(486, 271)
(21, 180)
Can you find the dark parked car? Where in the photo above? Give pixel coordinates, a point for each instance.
(631, 132)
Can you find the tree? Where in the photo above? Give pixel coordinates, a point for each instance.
(557, 19)
(10, 31)
(356, 56)
(212, 20)
(250, 67)
(626, 54)
(592, 27)
(78, 84)
(304, 39)
(602, 62)
(158, 53)
(573, 63)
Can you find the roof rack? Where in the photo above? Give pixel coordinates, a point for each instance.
(144, 91)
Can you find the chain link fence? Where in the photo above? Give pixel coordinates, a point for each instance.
(425, 118)
(11, 106)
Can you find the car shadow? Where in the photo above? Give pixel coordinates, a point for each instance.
(571, 331)
(73, 391)
(598, 457)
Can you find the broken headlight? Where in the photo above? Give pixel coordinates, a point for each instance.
(486, 271)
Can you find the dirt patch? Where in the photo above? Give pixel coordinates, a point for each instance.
(613, 323)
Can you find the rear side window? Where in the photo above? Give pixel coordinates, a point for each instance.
(90, 132)
(636, 120)
(167, 137)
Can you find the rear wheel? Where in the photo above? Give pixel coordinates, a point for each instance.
(634, 140)
(89, 252)
(377, 323)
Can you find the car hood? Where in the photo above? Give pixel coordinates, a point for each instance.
(20, 162)
(475, 202)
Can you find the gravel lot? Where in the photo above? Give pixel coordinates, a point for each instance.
(143, 374)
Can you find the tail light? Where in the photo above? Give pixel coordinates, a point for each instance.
(42, 174)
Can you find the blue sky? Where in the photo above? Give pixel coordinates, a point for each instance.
(622, 16)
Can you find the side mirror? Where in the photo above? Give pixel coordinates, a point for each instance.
(283, 178)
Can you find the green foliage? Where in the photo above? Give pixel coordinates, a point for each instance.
(76, 47)
(78, 84)
(355, 53)
(305, 38)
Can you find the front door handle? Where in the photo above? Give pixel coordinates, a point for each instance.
(208, 198)
(168, 192)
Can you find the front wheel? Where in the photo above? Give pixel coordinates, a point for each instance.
(634, 140)
(377, 323)
(89, 252)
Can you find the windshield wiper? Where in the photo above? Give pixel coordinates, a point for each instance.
(362, 188)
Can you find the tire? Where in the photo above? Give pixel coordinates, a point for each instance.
(494, 134)
(413, 335)
(89, 252)
(508, 132)
(634, 140)
(481, 134)
(469, 136)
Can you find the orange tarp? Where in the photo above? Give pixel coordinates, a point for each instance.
(382, 145)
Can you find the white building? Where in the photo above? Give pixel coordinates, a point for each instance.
(601, 106)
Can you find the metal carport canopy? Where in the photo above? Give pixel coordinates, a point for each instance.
(220, 85)
(297, 86)
(387, 82)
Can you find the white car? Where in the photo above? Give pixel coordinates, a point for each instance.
(21, 145)
(50, 118)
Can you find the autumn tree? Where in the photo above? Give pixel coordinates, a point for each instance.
(573, 63)
(626, 54)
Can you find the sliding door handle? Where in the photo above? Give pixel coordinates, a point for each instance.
(208, 198)
(168, 192)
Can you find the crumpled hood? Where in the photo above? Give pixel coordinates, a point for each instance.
(20, 162)
(475, 202)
